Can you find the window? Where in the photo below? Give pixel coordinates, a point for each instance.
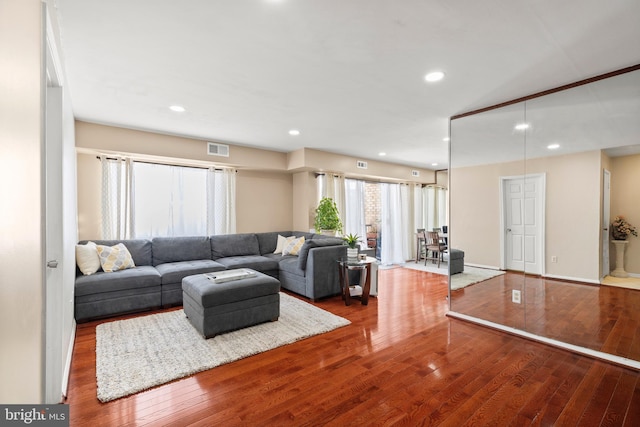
(169, 200)
(144, 200)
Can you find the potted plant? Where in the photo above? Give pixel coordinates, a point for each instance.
(621, 229)
(327, 218)
(352, 240)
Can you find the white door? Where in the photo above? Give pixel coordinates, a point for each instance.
(54, 246)
(606, 220)
(514, 223)
(523, 221)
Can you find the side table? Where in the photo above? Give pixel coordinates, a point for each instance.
(345, 265)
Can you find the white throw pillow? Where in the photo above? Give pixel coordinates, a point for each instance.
(293, 247)
(114, 258)
(282, 243)
(87, 258)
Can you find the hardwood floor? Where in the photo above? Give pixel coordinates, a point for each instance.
(603, 318)
(401, 362)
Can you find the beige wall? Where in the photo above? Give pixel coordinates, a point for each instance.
(91, 137)
(305, 200)
(21, 209)
(625, 200)
(322, 161)
(572, 212)
(263, 201)
(89, 206)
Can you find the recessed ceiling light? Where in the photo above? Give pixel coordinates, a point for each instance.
(553, 146)
(446, 139)
(434, 164)
(178, 108)
(521, 126)
(434, 76)
(382, 154)
(294, 132)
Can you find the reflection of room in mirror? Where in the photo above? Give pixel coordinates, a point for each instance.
(593, 131)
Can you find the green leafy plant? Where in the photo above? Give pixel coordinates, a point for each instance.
(327, 217)
(621, 229)
(351, 240)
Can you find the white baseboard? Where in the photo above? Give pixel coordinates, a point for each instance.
(573, 279)
(490, 267)
(67, 365)
(623, 361)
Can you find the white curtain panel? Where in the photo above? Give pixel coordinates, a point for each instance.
(396, 233)
(116, 193)
(333, 186)
(169, 200)
(221, 201)
(354, 210)
(435, 207)
(441, 196)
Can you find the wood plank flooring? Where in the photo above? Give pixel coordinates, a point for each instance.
(401, 362)
(603, 318)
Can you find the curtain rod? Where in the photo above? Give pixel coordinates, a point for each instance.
(165, 164)
(368, 181)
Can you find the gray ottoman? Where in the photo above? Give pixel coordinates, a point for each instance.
(214, 308)
(456, 261)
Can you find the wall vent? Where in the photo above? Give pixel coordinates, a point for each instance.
(361, 164)
(215, 149)
(415, 173)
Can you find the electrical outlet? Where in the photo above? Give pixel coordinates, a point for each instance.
(554, 259)
(515, 296)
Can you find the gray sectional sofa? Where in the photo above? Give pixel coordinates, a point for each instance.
(162, 263)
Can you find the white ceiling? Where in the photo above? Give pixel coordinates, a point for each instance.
(349, 74)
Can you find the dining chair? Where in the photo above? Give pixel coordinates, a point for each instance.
(420, 244)
(435, 246)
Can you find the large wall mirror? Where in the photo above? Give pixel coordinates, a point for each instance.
(534, 186)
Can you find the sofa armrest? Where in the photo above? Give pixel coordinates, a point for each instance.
(322, 271)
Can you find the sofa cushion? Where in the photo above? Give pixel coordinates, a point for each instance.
(231, 245)
(290, 265)
(174, 272)
(254, 262)
(175, 249)
(101, 282)
(315, 243)
(140, 249)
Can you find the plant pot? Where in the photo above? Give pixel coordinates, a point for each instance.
(328, 232)
(352, 252)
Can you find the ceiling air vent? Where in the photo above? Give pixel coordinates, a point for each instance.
(215, 149)
(361, 164)
(415, 173)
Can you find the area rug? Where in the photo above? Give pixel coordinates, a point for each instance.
(470, 276)
(622, 282)
(136, 354)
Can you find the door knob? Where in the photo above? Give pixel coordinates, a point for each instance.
(52, 264)
(508, 230)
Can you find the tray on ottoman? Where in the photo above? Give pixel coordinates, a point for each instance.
(216, 306)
